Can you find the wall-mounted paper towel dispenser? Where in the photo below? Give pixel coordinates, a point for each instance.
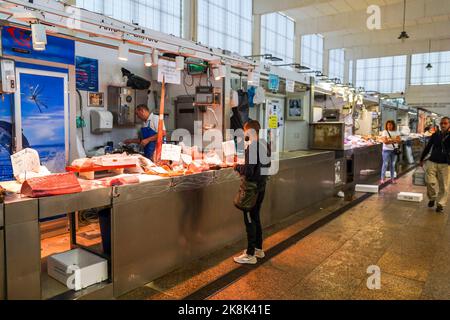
(101, 121)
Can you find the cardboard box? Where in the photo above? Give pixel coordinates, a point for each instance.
(410, 197)
(77, 269)
(367, 188)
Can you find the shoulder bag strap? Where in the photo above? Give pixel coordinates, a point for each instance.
(391, 139)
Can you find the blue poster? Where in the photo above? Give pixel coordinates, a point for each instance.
(18, 42)
(274, 83)
(87, 74)
(6, 138)
(42, 106)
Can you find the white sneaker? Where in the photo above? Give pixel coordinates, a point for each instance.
(246, 259)
(260, 254)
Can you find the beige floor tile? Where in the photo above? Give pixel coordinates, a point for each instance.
(392, 288)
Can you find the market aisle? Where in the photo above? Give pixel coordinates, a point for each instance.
(409, 242)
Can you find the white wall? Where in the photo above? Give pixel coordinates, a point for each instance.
(297, 132)
(109, 68)
(110, 72)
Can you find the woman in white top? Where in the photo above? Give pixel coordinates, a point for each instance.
(391, 141)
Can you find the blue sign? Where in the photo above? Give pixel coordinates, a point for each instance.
(18, 42)
(87, 74)
(274, 82)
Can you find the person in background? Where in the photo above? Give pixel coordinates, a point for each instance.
(252, 172)
(437, 166)
(148, 135)
(391, 140)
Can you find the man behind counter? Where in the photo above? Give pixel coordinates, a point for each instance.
(149, 132)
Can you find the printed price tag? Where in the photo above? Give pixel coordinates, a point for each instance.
(171, 153)
(168, 71)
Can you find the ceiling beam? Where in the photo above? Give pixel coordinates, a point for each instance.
(418, 11)
(385, 50)
(269, 6)
(437, 30)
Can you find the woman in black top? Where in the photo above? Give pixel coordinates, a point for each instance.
(253, 170)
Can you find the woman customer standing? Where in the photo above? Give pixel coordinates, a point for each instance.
(391, 139)
(252, 190)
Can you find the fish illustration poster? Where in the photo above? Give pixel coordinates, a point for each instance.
(42, 101)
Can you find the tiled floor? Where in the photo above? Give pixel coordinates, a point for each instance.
(407, 241)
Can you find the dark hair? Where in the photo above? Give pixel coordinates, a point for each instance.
(143, 106)
(254, 125)
(445, 118)
(393, 124)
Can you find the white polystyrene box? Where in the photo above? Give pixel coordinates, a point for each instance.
(84, 268)
(411, 197)
(367, 188)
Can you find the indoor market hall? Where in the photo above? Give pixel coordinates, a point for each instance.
(214, 159)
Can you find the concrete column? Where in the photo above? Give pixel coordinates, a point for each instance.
(347, 71)
(257, 44)
(190, 20)
(298, 47)
(408, 72)
(326, 62)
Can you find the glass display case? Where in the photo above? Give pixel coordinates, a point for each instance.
(328, 136)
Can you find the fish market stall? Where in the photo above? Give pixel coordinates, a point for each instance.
(86, 192)
(158, 223)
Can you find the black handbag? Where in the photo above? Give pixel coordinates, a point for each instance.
(247, 195)
(397, 151)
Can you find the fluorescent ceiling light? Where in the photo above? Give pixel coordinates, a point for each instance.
(155, 57)
(38, 34)
(216, 73)
(39, 47)
(124, 51)
(222, 71)
(148, 60)
(251, 76)
(180, 63)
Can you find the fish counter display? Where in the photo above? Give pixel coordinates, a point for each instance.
(151, 222)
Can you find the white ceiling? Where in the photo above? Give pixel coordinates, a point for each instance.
(334, 7)
(344, 22)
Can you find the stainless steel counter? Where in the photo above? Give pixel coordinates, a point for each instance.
(185, 220)
(160, 225)
(22, 235)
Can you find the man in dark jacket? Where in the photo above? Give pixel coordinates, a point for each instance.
(438, 166)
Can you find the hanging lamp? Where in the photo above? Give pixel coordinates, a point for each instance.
(429, 65)
(404, 35)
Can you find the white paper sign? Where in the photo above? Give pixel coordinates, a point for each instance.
(290, 85)
(168, 70)
(171, 153)
(158, 170)
(256, 79)
(229, 148)
(25, 161)
(187, 159)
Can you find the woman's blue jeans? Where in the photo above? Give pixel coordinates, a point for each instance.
(389, 160)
